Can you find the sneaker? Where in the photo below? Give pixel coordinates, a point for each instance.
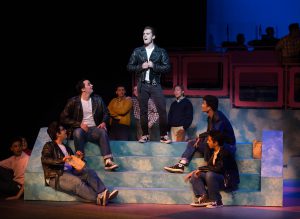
(102, 198)
(110, 165)
(144, 139)
(165, 139)
(177, 168)
(215, 204)
(113, 194)
(201, 202)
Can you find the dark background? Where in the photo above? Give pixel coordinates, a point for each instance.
(48, 48)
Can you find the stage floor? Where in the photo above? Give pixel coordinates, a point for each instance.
(78, 210)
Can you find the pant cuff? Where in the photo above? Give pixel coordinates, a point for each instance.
(107, 156)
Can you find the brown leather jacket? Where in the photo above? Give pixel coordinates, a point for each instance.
(52, 161)
(72, 114)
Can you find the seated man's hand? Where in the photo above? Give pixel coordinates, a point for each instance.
(79, 154)
(196, 145)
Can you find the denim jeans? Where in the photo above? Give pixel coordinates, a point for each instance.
(155, 92)
(190, 151)
(203, 149)
(96, 135)
(214, 182)
(85, 184)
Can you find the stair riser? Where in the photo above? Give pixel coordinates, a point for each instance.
(133, 163)
(133, 148)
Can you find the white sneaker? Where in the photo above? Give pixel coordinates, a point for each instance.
(165, 139)
(144, 139)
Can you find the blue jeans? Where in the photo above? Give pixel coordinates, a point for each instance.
(214, 182)
(85, 184)
(190, 151)
(96, 135)
(203, 149)
(155, 92)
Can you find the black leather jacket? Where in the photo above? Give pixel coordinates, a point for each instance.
(160, 59)
(52, 161)
(72, 114)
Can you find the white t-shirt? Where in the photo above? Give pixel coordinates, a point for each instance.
(65, 152)
(88, 112)
(149, 51)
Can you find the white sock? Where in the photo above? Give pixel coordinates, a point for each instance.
(182, 162)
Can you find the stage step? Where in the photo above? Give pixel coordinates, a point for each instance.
(142, 179)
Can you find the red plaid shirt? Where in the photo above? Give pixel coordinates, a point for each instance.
(152, 111)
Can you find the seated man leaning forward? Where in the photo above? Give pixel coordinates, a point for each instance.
(221, 173)
(68, 173)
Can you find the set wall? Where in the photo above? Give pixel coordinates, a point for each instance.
(249, 123)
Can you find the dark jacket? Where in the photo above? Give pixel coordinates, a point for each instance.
(220, 122)
(72, 114)
(226, 165)
(160, 59)
(52, 161)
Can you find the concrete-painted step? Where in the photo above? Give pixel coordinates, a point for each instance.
(136, 179)
(134, 148)
(146, 164)
(35, 189)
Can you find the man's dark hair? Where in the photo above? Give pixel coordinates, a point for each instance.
(217, 136)
(16, 139)
(80, 85)
(152, 29)
(53, 129)
(212, 101)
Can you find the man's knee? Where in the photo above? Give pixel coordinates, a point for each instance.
(78, 133)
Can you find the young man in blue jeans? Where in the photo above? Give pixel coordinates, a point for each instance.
(61, 174)
(207, 184)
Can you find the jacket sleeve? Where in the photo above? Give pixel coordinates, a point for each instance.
(48, 155)
(164, 66)
(133, 64)
(66, 116)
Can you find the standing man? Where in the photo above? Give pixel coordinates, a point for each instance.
(87, 115)
(149, 62)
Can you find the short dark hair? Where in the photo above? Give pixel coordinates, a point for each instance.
(15, 139)
(80, 85)
(152, 29)
(212, 101)
(217, 136)
(53, 129)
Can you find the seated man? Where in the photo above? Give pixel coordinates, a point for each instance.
(62, 174)
(216, 120)
(12, 172)
(221, 173)
(87, 115)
